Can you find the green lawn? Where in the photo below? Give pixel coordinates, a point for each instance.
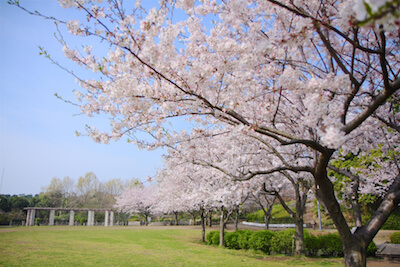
(127, 246)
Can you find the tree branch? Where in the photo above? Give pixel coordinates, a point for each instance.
(325, 24)
(390, 201)
(277, 195)
(374, 105)
(354, 193)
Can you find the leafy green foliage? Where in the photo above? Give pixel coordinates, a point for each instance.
(390, 7)
(4, 204)
(282, 241)
(328, 245)
(213, 237)
(257, 216)
(371, 250)
(393, 222)
(395, 238)
(4, 219)
(261, 240)
(354, 161)
(232, 239)
(278, 215)
(244, 239)
(18, 203)
(331, 245)
(312, 244)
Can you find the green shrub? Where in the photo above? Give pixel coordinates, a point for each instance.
(261, 240)
(371, 250)
(4, 219)
(393, 222)
(232, 240)
(211, 236)
(215, 239)
(312, 244)
(395, 238)
(257, 216)
(244, 237)
(331, 245)
(83, 220)
(278, 215)
(282, 241)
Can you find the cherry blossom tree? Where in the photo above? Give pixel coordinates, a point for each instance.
(248, 156)
(187, 186)
(139, 200)
(181, 190)
(319, 76)
(175, 193)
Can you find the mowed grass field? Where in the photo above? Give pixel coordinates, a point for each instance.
(128, 246)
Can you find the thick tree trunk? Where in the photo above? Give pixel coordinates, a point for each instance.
(210, 218)
(299, 234)
(299, 218)
(355, 256)
(354, 252)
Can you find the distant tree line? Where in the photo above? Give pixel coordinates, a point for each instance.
(87, 192)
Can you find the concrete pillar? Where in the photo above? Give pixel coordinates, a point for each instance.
(106, 218)
(111, 218)
(51, 217)
(28, 217)
(92, 223)
(32, 217)
(89, 219)
(71, 218)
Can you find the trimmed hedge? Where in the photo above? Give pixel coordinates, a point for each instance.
(312, 244)
(393, 222)
(232, 239)
(244, 239)
(328, 245)
(331, 245)
(261, 240)
(395, 238)
(213, 237)
(282, 241)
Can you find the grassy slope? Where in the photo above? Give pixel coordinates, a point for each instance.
(126, 246)
(278, 214)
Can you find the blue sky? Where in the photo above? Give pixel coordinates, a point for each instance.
(37, 131)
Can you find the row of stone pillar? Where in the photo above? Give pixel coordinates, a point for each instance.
(30, 217)
(108, 217)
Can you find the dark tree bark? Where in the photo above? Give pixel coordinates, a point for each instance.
(203, 225)
(225, 215)
(236, 221)
(176, 214)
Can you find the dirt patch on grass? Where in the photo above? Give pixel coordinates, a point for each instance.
(382, 263)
